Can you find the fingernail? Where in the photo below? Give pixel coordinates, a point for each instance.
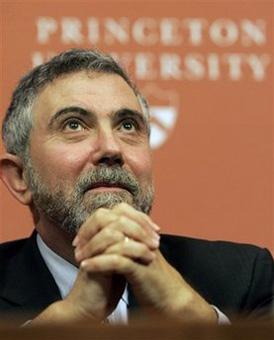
(84, 264)
(155, 227)
(155, 242)
(75, 241)
(156, 236)
(78, 254)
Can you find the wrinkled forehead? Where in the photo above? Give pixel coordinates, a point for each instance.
(99, 92)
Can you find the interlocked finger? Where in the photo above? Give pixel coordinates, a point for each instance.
(132, 249)
(99, 243)
(115, 232)
(139, 217)
(96, 222)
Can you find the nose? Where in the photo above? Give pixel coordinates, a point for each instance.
(108, 149)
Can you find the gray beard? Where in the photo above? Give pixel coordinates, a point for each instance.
(70, 210)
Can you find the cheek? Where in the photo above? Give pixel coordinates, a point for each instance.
(60, 162)
(140, 164)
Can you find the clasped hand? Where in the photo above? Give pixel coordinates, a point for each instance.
(120, 245)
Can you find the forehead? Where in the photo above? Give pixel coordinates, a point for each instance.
(100, 92)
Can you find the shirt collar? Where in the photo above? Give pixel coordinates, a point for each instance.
(63, 272)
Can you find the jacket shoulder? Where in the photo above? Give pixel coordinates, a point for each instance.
(231, 250)
(11, 248)
(8, 252)
(232, 276)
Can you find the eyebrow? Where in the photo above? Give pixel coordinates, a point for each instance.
(66, 110)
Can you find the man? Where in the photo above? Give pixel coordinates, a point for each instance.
(77, 140)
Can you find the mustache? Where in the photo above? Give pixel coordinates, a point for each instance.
(108, 176)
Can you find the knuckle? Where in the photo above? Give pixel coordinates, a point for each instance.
(100, 213)
(143, 249)
(117, 236)
(115, 260)
(123, 220)
(108, 232)
(125, 247)
(121, 207)
(87, 250)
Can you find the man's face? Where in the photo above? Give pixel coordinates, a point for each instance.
(89, 148)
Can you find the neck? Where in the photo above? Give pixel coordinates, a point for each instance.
(57, 240)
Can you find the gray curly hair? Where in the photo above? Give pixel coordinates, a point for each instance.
(17, 123)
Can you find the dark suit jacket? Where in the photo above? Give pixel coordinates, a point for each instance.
(234, 277)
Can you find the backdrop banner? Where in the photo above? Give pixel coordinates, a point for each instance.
(206, 68)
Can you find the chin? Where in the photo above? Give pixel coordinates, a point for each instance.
(107, 199)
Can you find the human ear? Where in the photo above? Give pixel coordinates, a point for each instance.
(12, 174)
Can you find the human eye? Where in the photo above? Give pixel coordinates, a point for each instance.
(73, 124)
(129, 125)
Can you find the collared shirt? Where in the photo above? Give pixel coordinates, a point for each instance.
(64, 274)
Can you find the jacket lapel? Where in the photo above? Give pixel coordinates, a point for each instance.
(29, 284)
